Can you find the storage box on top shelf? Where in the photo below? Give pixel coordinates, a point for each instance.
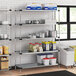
(49, 6)
(33, 6)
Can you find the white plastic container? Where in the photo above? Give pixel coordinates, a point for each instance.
(46, 61)
(67, 57)
(40, 58)
(52, 61)
(49, 55)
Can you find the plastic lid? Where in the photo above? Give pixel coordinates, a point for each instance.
(33, 44)
(40, 44)
(54, 42)
(30, 43)
(41, 54)
(45, 58)
(50, 41)
(46, 42)
(52, 58)
(36, 43)
(49, 54)
(43, 42)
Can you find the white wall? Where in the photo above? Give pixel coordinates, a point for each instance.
(19, 3)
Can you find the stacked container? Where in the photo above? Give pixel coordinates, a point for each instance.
(46, 61)
(52, 61)
(40, 58)
(49, 55)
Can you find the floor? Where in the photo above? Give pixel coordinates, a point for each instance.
(36, 70)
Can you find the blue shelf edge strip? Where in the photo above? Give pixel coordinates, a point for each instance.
(40, 8)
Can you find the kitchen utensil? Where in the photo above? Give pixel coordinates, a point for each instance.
(28, 22)
(42, 21)
(5, 36)
(42, 35)
(47, 33)
(52, 34)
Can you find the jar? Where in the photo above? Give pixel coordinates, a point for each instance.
(34, 49)
(30, 46)
(37, 45)
(40, 49)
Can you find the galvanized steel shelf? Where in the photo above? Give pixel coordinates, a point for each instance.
(24, 10)
(33, 38)
(26, 52)
(33, 65)
(3, 55)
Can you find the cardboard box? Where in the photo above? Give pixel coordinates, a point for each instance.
(4, 65)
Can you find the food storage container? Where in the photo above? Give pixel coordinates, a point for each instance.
(46, 61)
(40, 58)
(30, 46)
(54, 45)
(45, 46)
(49, 55)
(34, 49)
(52, 61)
(33, 6)
(50, 45)
(49, 6)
